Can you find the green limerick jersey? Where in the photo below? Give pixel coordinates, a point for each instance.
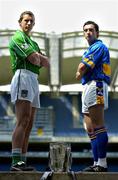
(21, 46)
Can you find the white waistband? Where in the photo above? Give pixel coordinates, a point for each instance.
(25, 71)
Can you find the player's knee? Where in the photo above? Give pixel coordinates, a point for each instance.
(88, 129)
(23, 122)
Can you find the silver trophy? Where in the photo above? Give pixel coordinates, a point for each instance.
(60, 157)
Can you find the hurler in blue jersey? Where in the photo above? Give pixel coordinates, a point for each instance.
(94, 71)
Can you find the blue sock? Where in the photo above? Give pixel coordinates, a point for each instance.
(92, 137)
(102, 141)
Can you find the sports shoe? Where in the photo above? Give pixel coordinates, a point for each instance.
(21, 166)
(100, 169)
(96, 168)
(88, 169)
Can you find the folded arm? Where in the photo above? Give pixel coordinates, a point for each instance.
(38, 59)
(81, 70)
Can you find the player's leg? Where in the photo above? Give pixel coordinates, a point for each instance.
(27, 134)
(97, 117)
(23, 113)
(88, 125)
(35, 102)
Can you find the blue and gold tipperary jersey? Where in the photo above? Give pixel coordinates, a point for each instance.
(97, 58)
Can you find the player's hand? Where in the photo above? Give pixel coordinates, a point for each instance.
(78, 75)
(44, 61)
(34, 58)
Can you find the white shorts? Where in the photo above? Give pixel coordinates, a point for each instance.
(95, 92)
(24, 86)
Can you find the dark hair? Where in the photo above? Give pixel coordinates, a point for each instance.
(25, 12)
(92, 22)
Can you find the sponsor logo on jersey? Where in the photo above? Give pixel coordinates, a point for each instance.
(24, 46)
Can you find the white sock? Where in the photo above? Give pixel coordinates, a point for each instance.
(102, 162)
(24, 157)
(95, 163)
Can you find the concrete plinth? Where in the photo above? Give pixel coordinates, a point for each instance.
(58, 176)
